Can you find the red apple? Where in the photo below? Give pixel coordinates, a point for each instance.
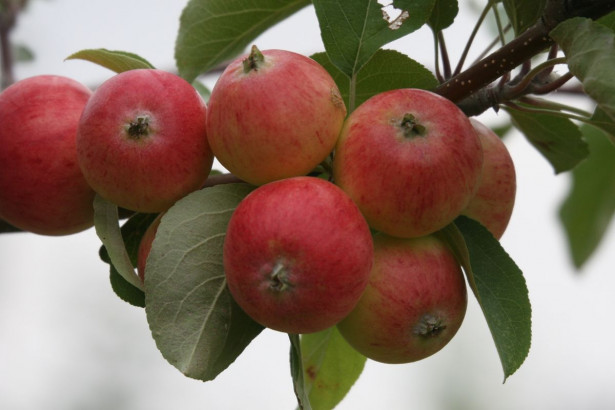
(142, 140)
(493, 203)
(145, 246)
(297, 254)
(414, 303)
(42, 189)
(273, 115)
(411, 161)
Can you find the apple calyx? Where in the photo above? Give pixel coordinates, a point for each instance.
(253, 61)
(139, 127)
(410, 127)
(429, 326)
(278, 278)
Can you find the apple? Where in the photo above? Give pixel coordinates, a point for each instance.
(414, 303)
(145, 245)
(493, 203)
(410, 159)
(142, 140)
(297, 254)
(272, 115)
(42, 188)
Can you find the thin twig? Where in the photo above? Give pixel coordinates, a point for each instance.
(446, 62)
(466, 50)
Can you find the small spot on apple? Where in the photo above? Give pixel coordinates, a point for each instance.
(429, 326)
(336, 99)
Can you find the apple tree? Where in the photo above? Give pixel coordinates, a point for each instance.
(287, 129)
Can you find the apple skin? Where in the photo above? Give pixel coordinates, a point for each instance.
(162, 160)
(408, 181)
(42, 188)
(297, 255)
(414, 303)
(145, 245)
(493, 203)
(277, 121)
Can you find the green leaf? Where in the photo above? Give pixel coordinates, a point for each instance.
(608, 20)
(212, 32)
(297, 373)
(386, 70)
(202, 89)
(196, 324)
(22, 54)
(331, 367)
(106, 224)
(443, 14)
(523, 13)
(558, 139)
(590, 205)
(352, 31)
(499, 287)
(601, 120)
(590, 52)
(132, 232)
(118, 61)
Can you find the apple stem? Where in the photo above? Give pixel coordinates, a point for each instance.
(429, 326)
(410, 127)
(139, 128)
(253, 61)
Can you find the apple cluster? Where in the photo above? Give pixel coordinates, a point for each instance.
(353, 246)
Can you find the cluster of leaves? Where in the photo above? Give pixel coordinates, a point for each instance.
(195, 322)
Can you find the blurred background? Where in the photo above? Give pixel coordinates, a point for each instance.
(67, 342)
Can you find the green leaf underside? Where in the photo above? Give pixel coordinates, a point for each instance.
(106, 224)
(114, 60)
(212, 32)
(443, 14)
(590, 52)
(297, 373)
(589, 207)
(499, 287)
(196, 324)
(132, 232)
(331, 367)
(386, 70)
(558, 139)
(523, 13)
(352, 31)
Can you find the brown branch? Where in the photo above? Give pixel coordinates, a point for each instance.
(470, 88)
(532, 42)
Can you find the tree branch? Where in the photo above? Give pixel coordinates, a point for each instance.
(469, 89)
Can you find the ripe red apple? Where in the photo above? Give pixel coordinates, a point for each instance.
(414, 303)
(410, 159)
(145, 246)
(297, 254)
(42, 189)
(493, 203)
(142, 140)
(273, 115)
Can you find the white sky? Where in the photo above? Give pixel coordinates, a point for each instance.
(67, 342)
